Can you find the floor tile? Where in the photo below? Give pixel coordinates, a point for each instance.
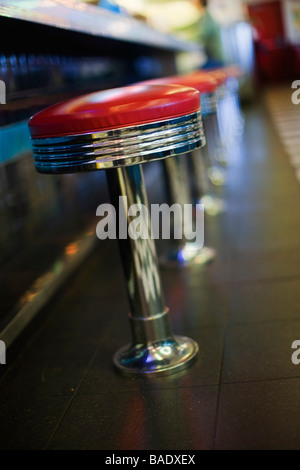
(47, 368)
(27, 422)
(259, 416)
(140, 420)
(273, 226)
(264, 301)
(260, 265)
(89, 317)
(260, 351)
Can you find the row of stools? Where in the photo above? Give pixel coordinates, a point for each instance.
(118, 130)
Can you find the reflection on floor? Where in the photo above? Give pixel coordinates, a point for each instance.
(283, 104)
(61, 392)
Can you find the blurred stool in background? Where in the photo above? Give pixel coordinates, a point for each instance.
(203, 160)
(118, 130)
(229, 122)
(203, 165)
(234, 76)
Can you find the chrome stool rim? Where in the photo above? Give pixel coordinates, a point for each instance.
(119, 147)
(209, 103)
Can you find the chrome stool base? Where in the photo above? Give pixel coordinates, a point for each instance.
(154, 349)
(164, 357)
(213, 205)
(216, 176)
(221, 157)
(188, 255)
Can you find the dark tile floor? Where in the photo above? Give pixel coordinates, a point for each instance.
(61, 391)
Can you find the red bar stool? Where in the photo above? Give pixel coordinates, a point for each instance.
(118, 130)
(203, 160)
(235, 77)
(216, 123)
(229, 116)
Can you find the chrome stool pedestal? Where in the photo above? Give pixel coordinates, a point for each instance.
(211, 175)
(154, 348)
(118, 130)
(185, 252)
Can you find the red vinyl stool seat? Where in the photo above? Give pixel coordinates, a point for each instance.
(117, 127)
(117, 130)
